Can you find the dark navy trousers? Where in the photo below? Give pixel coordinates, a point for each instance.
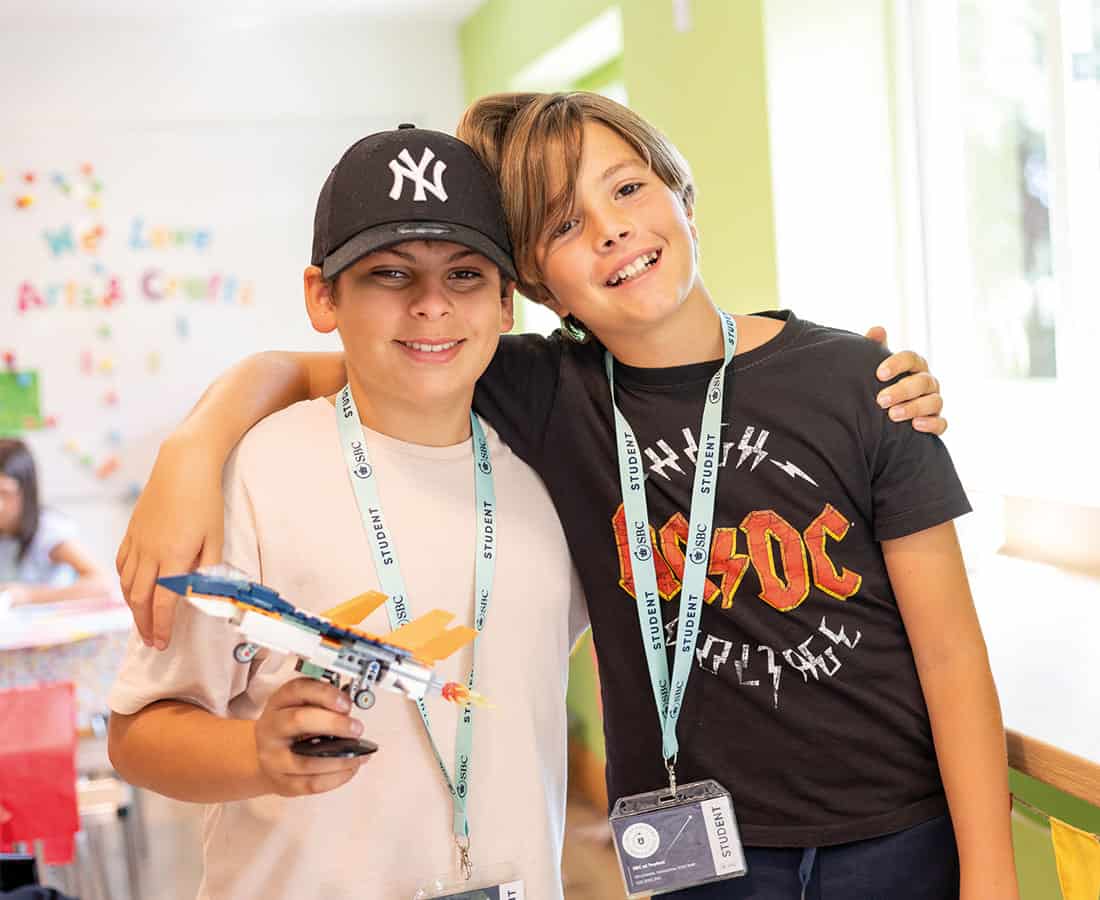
(919, 863)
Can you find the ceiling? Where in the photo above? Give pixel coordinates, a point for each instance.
(167, 11)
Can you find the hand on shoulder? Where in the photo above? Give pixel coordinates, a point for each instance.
(175, 527)
(916, 397)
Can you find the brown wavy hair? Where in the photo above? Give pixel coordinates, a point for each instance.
(526, 138)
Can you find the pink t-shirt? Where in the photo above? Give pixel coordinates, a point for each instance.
(292, 522)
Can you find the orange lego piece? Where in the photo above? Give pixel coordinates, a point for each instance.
(356, 609)
(426, 631)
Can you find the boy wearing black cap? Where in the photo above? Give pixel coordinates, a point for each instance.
(393, 484)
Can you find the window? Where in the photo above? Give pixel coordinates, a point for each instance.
(999, 168)
(1005, 56)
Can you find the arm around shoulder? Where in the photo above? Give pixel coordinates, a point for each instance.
(256, 387)
(177, 522)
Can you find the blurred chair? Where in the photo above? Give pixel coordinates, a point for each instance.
(37, 770)
(107, 802)
(17, 870)
(51, 812)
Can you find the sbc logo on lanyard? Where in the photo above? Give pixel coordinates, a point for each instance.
(715, 393)
(361, 467)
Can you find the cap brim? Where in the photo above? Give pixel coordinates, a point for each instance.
(381, 236)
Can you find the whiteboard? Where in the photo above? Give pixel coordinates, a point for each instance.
(205, 230)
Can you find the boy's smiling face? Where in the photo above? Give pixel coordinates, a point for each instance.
(419, 321)
(624, 260)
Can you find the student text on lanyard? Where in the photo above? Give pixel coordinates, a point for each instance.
(670, 697)
(390, 579)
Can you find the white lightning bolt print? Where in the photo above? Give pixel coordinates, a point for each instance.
(670, 633)
(839, 637)
(740, 665)
(726, 447)
(803, 660)
(658, 464)
(774, 670)
(791, 469)
(719, 659)
(690, 447)
(746, 448)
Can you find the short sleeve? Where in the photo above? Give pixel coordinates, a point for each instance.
(198, 666)
(37, 566)
(54, 529)
(914, 484)
(517, 392)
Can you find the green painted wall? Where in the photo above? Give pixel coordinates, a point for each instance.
(583, 699)
(704, 88)
(1036, 870)
(503, 36)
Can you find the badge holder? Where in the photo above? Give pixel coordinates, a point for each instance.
(497, 882)
(677, 837)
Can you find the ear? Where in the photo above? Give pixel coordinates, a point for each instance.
(689, 211)
(320, 304)
(507, 306)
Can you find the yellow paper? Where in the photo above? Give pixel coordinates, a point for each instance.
(1077, 855)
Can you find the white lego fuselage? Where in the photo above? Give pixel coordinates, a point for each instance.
(352, 660)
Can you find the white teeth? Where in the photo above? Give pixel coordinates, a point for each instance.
(636, 267)
(430, 348)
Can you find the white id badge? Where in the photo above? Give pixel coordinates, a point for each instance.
(666, 841)
(485, 883)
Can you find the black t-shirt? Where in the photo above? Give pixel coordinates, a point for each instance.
(805, 701)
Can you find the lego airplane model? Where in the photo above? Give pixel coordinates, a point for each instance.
(328, 646)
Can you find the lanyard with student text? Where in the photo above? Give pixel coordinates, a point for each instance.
(392, 582)
(669, 697)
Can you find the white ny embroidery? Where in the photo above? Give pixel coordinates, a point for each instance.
(415, 172)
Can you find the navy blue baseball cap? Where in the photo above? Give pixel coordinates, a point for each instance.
(409, 184)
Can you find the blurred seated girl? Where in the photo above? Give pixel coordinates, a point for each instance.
(40, 558)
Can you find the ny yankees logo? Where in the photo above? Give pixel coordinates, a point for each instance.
(415, 172)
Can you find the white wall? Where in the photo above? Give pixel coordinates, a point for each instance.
(111, 70)
(230, 127)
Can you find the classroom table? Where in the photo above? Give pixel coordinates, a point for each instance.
(81, 641)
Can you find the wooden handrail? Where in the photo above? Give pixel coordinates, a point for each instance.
(1058, 768)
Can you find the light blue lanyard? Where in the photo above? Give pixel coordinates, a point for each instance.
(363, 482)
(631, 476)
